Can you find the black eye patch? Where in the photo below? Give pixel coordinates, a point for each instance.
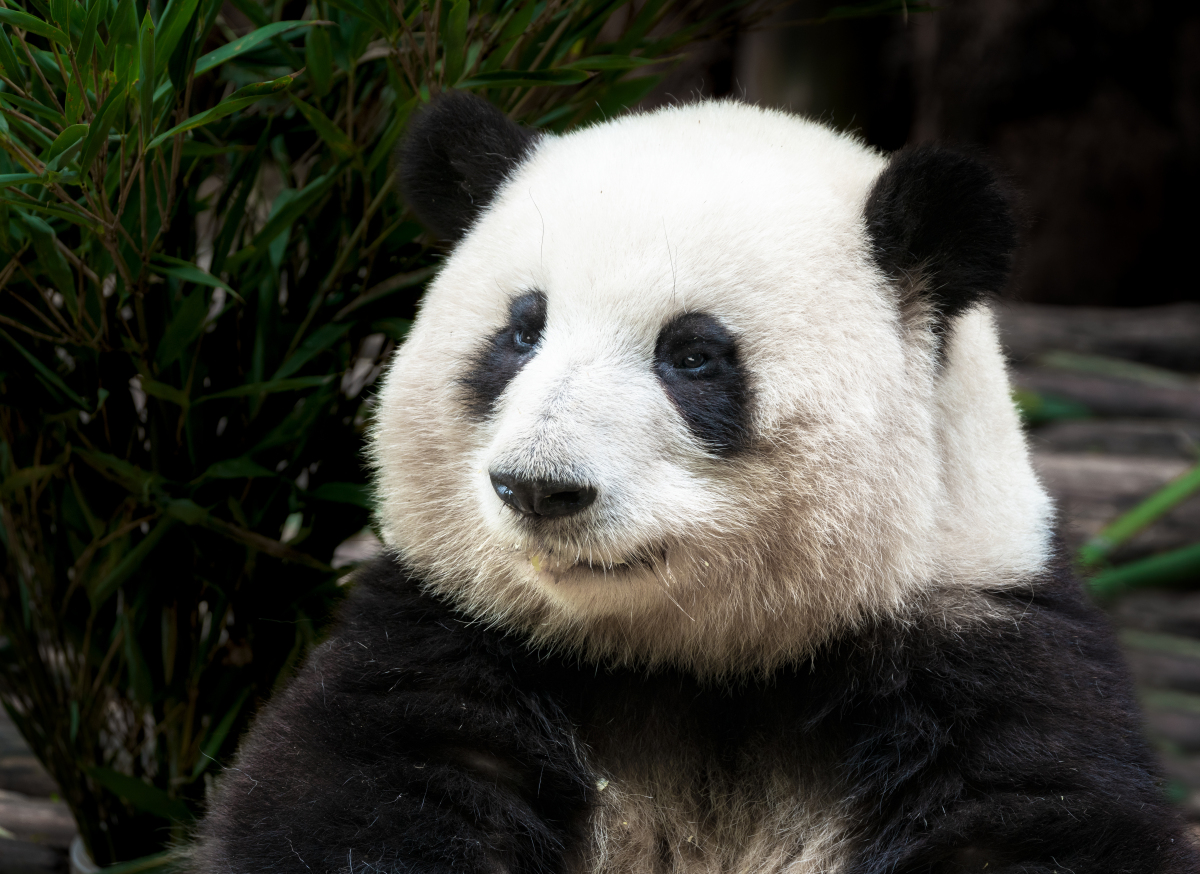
(696, 360)
(504, 353)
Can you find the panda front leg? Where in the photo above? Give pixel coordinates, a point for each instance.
(407, 743)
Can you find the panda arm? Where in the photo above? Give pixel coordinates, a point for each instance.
(1015, 744)
(409, 742)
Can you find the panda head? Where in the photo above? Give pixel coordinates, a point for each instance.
(704, 386)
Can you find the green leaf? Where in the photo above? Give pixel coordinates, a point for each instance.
(17, 178)
(269, 387)
(344, 493)
(333, 135)
(97, 136)
(164, 392)
(143, 796)
(212, 745)
(252, 40)
(454, 38)
(123, 28)
(318, 55)
(25, 21)
(1148, 511)
(8, 59)
(317, 342)
(48, 376)
(184, 327)
(69, 137)
(146, 75)
(172, 25)
(394, 327)
(51, 260)
(611, 62)
(100, 591)
(60, 11)
(286, 217)
(239, 99)
(383, 149)
(359, 10)
(235, 468)
(525, 78)
(87, 42)
(21, 479)
(188, 272)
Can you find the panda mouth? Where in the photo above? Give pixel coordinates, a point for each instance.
(549, 563)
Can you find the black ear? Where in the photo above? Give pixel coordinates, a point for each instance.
(941, 226)
(458, 151)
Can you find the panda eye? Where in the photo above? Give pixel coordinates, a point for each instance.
(526, 338)
(692, 361)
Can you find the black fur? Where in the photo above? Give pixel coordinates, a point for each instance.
(713, 397)
(941, 224)
(504, 353)
(415, 741)
(456, 154)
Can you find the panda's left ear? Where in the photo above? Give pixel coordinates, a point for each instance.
(941, 226)
(457, 153)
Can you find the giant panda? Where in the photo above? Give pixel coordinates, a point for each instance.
(713, 544)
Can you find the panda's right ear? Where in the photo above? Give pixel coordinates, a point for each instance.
(457, 153)
(942, 228)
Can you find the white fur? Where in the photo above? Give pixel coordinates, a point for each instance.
(873, 480)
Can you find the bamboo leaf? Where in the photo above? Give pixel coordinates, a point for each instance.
(184, 327)
(45, 374)
(141, 795)
(87, 43)
(97, 135)
(316, 343)
(8, 59)
(188, 272)
(525, 78)
(239, 99)
(269, 387)
(611, 62)
(172, 25)
(17, 178)
(1166, 569)
(318, 55)
(250, 41)
(51, 260)
(25, 21)
(454, 39)
(22, 479)
(286, 217)
(387, 142)
(60, 11)
(360, 11)
(165, 392)
(106, 587)
(65, 140)
(212, 745)
(146, 75)
(345, 493)
(123, 28)
(1129, 524)
(235, 468)
(333, 135)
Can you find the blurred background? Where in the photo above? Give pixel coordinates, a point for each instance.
(1090, 108)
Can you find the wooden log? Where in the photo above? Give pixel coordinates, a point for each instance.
(1155, 438)
(36, 819)
(1092, 490)
(1165, 336)
(1106, 396)
(25, 857)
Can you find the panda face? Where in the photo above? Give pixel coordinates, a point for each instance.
(662, 403)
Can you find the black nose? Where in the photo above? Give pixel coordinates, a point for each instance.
(542, 497)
